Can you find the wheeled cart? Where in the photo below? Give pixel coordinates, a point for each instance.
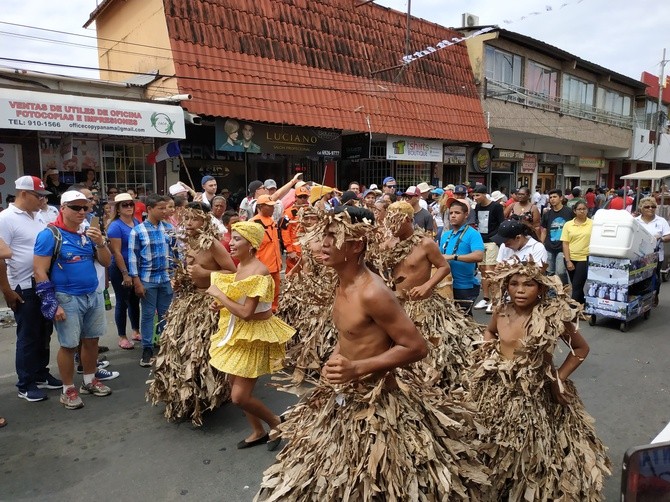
(620, 288)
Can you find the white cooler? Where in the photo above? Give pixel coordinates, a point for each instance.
(617, 234)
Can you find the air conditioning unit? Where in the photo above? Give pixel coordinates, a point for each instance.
(469, 20)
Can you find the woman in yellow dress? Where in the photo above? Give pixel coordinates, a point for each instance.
(250, 341)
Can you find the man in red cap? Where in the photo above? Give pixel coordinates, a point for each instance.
(19, 226)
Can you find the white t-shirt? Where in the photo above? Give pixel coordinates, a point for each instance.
(49, 214)
(532, 248)
(658, 227)
(19, 230)
(423, 203)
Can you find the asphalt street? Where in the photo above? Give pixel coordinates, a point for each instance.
(121, 448)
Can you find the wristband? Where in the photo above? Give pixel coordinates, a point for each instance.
(47, 294)
(455, 257)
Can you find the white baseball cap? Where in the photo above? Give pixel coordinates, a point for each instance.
(32, 183)
(270, 184)
(177, 188)
(71, 196)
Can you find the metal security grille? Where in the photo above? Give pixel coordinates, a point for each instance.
(411, 173)
(376, 168)
(124, 166)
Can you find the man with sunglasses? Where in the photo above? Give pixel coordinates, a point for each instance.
(20, 224)
(67, 284)
(389, 185)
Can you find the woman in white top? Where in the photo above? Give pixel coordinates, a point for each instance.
(659, 228)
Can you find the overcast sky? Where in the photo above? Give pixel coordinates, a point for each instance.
(625, 36)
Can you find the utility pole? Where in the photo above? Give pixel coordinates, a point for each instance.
(657, 126)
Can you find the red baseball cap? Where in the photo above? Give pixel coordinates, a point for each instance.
(32, 183)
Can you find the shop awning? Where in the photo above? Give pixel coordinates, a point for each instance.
(650, 174)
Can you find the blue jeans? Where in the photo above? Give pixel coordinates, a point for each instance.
(465, 299)
(556, 265)
(33, 335)
(127, 302)
(157, 298)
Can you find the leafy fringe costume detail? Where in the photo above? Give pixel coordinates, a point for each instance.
(306, 303)
(183, 378)
(252, 348)
(449, 333)
(362, 442)
(538, 450)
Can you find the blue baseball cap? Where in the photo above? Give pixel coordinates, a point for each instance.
(461, 189)
(206, 178)
(388, 180)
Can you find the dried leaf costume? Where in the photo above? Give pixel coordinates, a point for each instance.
(306, 303)
(255, 347)
(538, 450)
(389, 438)
(449, 333)
(182, 377)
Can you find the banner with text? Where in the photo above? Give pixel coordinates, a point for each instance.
(252, 137)
(63, 113)
(422, 150)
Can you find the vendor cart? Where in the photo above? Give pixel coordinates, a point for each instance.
(620, 288)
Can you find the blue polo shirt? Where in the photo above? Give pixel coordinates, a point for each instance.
(468, 240)
(73, 271)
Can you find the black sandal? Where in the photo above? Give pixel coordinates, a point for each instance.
(272, 445)
(248, 444)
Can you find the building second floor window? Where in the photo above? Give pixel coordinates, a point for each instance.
(577, 91)
(613, 102)
(502, 66)
(542, 80)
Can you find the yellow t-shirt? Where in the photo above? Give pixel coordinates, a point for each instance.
(578, 238)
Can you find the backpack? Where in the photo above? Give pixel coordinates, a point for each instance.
(58, 237)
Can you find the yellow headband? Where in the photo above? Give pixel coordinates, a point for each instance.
(251, 231)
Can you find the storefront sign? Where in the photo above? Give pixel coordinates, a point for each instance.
(252, 137)
(454, 155)
(481, 160)
(405, 148)
(509, 155)
(594, 162)
(551, 158)
(529, 164)
(356, 146)
(67, 114)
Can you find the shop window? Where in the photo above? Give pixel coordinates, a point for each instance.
(124, 165)
(409, 173)
(376, 168)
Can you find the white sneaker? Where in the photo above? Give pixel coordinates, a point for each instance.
(481, 304)
(489, 308)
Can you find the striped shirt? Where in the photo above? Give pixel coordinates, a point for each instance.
(150, 251)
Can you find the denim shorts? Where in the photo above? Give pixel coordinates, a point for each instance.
(84, 318)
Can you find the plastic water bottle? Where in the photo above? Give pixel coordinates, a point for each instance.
(108, 300)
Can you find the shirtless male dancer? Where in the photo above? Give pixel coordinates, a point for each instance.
(361, 413)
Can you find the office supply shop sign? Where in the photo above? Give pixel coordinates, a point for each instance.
(234, 135)
(68, 114)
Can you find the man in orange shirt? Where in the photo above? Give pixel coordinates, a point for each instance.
(269, 252)
(289, 228)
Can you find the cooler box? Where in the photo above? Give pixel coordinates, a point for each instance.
(617, 234)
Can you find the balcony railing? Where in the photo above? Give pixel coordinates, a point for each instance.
(517, 94)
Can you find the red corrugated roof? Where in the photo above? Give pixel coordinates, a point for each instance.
(317, 63)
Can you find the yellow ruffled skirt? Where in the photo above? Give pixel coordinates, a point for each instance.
(252, 349)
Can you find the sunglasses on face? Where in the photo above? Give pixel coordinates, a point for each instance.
(127, 204)
(78, 209)
(648, 207)
(38, 195)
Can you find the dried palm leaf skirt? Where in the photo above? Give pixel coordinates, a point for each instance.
(449, 335)
(538, 450)
(183, 377)
(361, 442)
